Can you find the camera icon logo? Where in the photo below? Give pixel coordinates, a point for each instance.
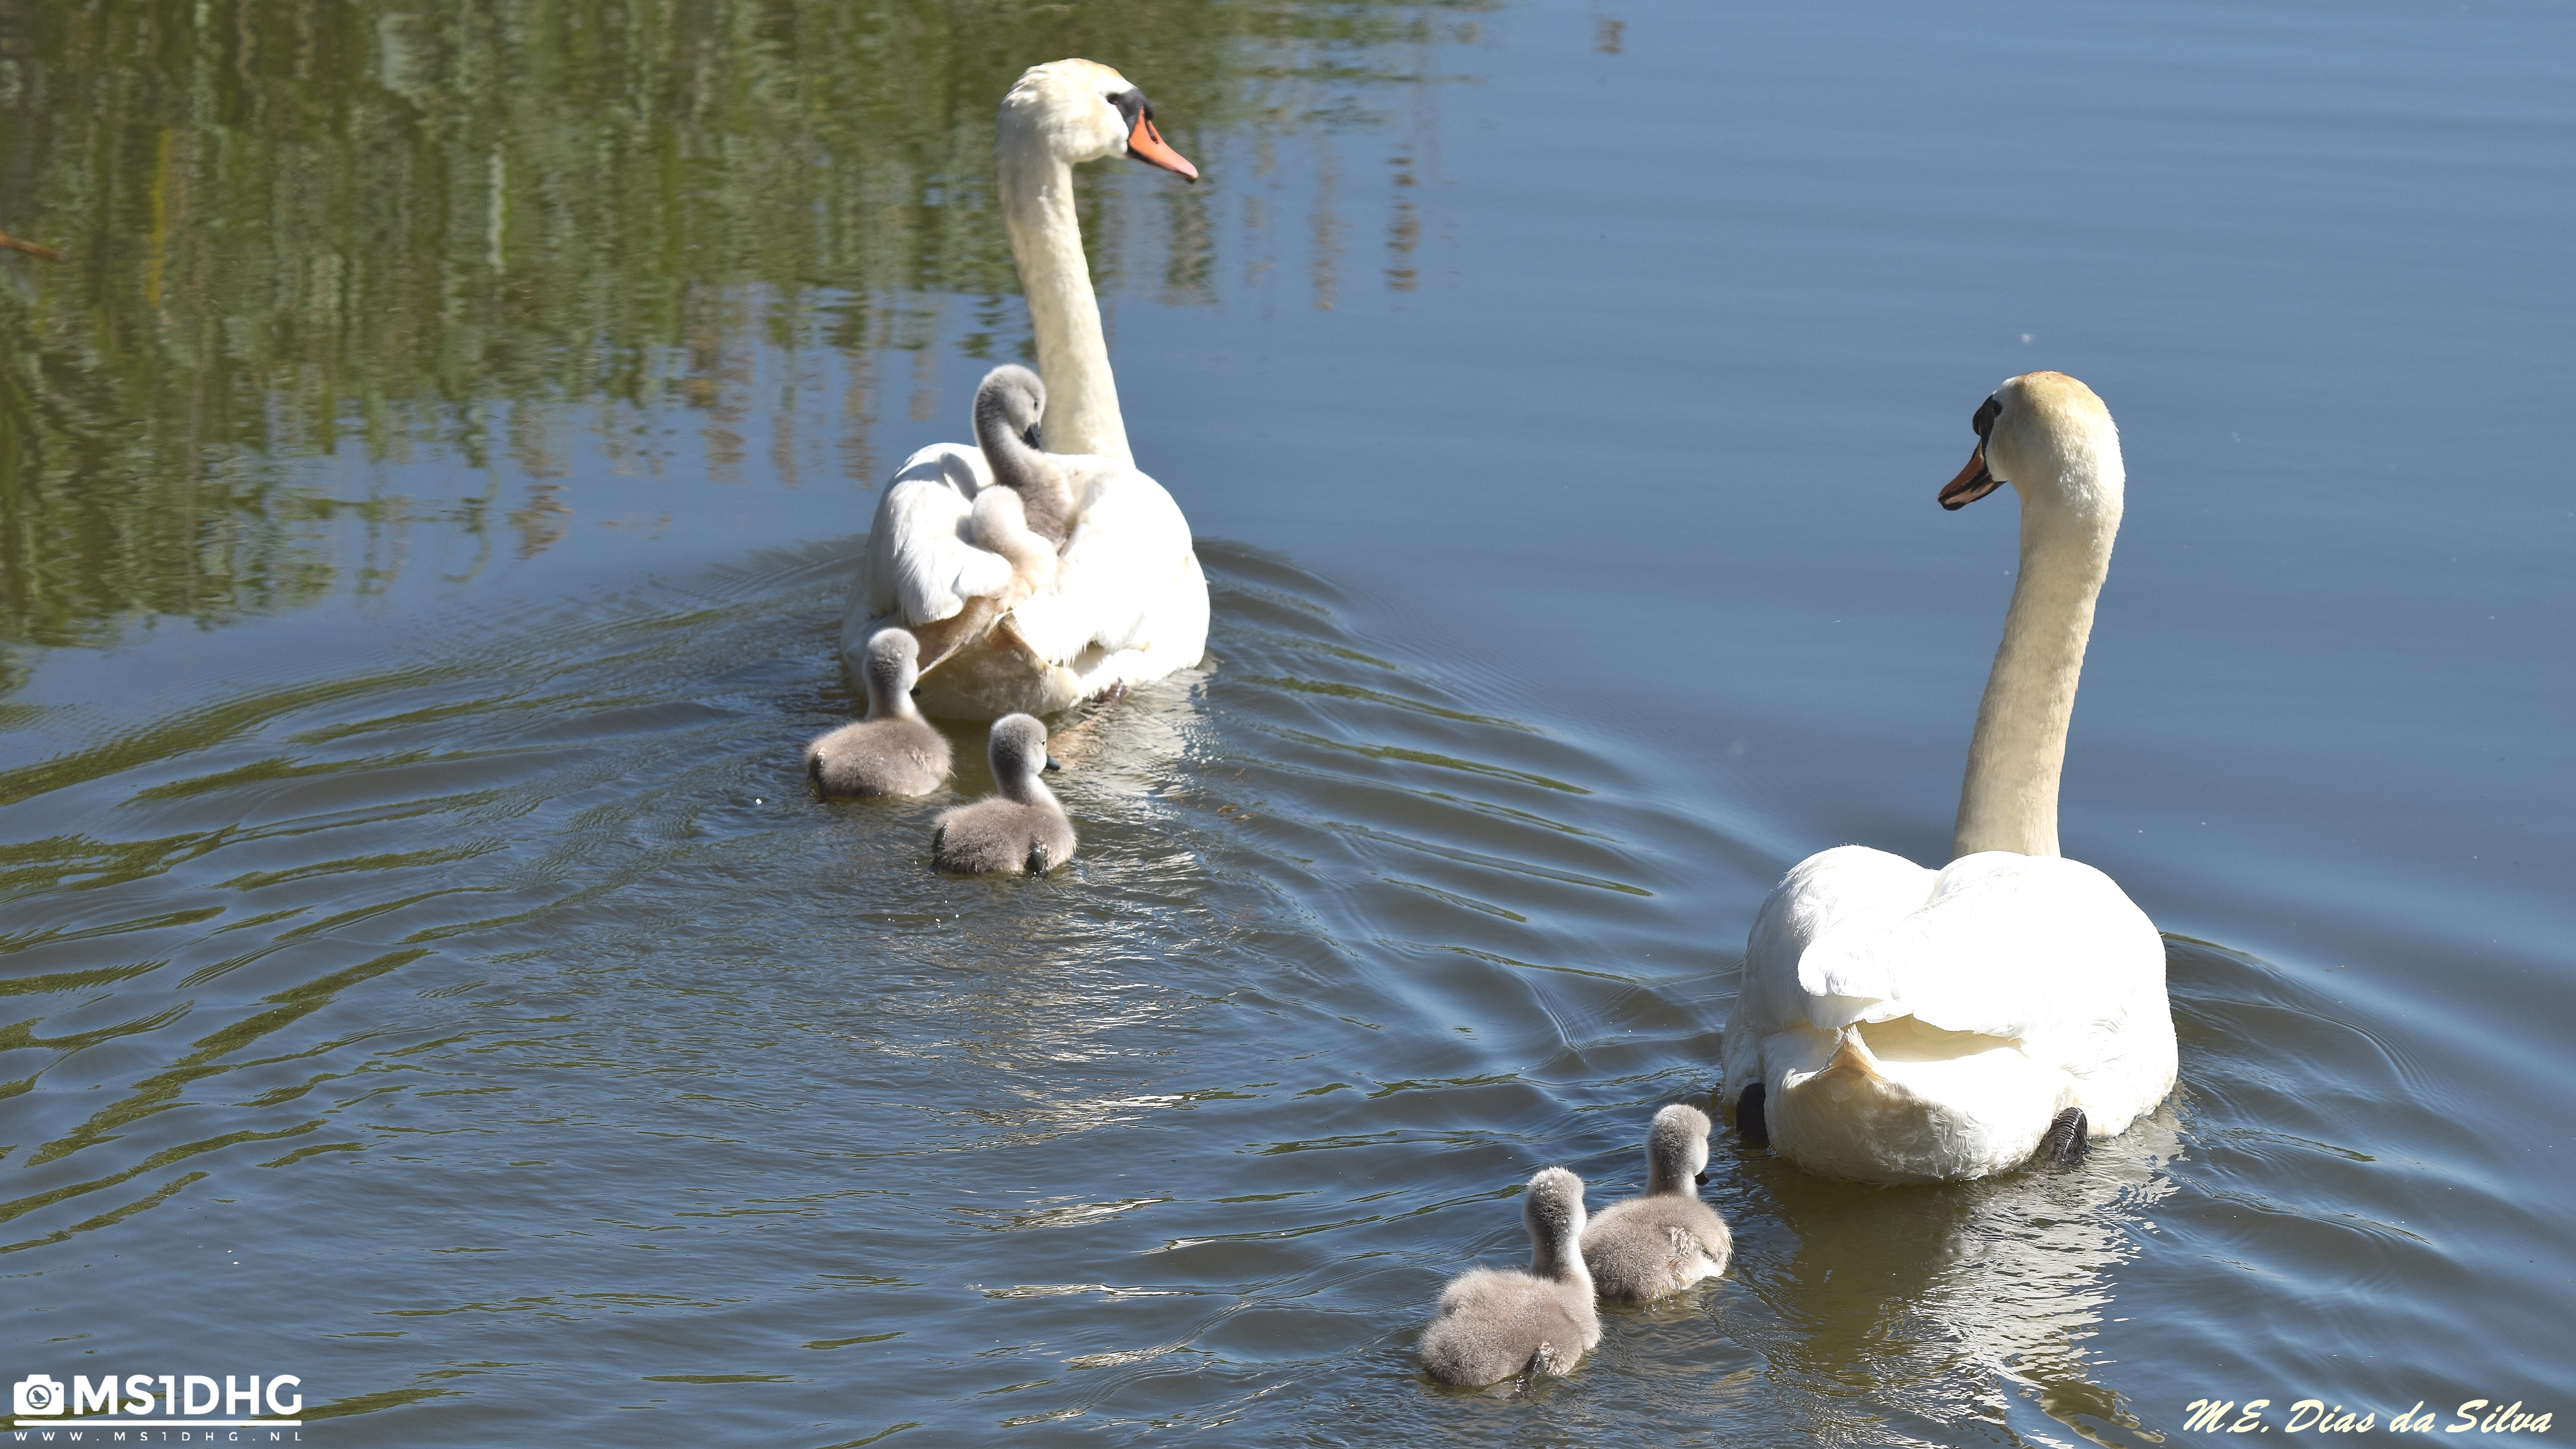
(36, 1395)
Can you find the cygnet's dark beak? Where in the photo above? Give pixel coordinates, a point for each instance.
(1031, 438)
(1051, 764)
(916, 691)
(1700, 1177)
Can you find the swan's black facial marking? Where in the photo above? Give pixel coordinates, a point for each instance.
(1984, 421)
(1132, 107)
(1144, 143)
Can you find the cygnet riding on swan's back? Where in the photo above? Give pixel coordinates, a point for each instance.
(1903, 1025)
(1668, 1239)
(1494, 1324)
(1021, 829)
(1008, 405)
(894, 751)
(1127, 601)
(1024, 513)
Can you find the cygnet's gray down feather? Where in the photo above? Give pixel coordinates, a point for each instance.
(1007, 408)
(1021, 829)
(894, 751)
(1494, 1324)
(1668, 1239)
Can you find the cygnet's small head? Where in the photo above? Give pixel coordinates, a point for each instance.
(1677, 1147)
(2042, 430)
(1018, 748)
(1011, 399)
(893, 666)
(1082, 111)
(1553, 1206)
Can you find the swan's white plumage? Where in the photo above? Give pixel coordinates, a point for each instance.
(1910, 1025)
(1985, 997)
(1129, 583)
(922, 564)
(1128, 601)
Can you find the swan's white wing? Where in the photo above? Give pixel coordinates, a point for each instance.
(922, 565)
(1849, 886)
(1128, 584)
(2012, 946)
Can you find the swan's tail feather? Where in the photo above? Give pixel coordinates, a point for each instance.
(945, 637)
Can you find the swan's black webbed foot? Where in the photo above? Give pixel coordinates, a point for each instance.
(2065, 1141)
(1748, 1117)
(1037, 861)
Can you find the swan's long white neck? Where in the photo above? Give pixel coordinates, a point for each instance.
(2009, 798)
(1046, 238)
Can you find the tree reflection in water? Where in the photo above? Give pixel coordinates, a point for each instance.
(302, 228)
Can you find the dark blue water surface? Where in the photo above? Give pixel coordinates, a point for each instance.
(436, 472)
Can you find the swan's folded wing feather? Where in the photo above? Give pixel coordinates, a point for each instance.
(922, 563)
(2029, 948)
(1129, 544)
(1828, 890)
(1848, 889)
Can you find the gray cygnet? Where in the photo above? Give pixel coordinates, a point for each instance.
(894, 751)
(1668, 1239)
(1021, 829)
(1008, 404)
(1495, 1324)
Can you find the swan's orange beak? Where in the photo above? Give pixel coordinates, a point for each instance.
(1146, 144)
(1973, 482)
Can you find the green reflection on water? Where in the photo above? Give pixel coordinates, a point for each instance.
(304, 228)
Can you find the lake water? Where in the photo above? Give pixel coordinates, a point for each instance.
(426, 496)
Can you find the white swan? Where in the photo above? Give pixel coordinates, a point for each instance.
(1128, 602)
(1897, 1024)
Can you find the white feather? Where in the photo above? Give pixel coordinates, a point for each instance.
(922, 564)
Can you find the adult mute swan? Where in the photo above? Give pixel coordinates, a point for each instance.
(1897, 1024)
(1128, 602)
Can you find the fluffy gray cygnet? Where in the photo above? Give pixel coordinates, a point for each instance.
(1668, 1239)
(1021, 829)
(1495, 1324)
(894, 751)
(1007, 406)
